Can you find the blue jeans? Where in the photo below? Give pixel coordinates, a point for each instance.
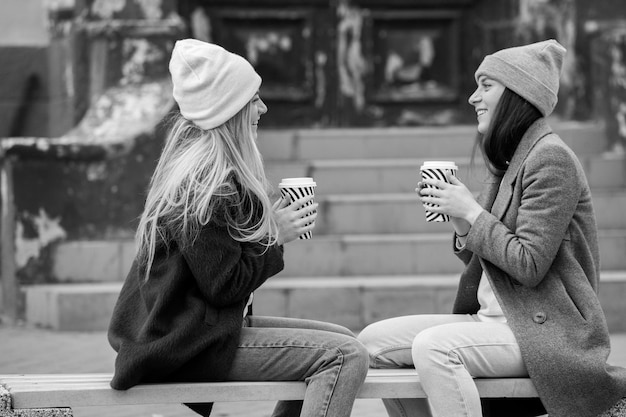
(324, 355)
(448, 351)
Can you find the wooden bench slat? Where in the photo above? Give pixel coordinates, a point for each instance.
(50, 377)
(44, 391)
(159, 394)
(53, 382)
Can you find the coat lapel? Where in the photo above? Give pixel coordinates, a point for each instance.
(502, 196)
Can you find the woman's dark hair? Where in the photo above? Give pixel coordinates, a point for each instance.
(512, 117)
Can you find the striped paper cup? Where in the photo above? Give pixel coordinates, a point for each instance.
(297, 188)
(437, 170)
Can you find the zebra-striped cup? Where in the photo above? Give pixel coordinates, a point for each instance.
(437, 170)
(297, 188)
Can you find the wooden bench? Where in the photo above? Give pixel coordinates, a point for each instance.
(54, 395)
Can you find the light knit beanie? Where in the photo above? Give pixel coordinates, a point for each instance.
(532, 71)
(211, 85)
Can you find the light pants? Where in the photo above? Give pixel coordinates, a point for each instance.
(448, 351)
(325, 355)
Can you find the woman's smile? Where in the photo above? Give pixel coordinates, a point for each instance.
(485, 99)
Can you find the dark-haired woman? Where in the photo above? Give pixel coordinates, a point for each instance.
(527, 300)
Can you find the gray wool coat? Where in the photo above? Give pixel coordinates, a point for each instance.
(537, 243)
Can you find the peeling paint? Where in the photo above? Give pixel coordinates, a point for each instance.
(53, 5)
(136, 109)
(96, 171)
(618, 68)
(621, 120)
(320, 90)
(617, 81)
(47, 230)
(139, 52)
(116, 119)
(350, 61)
(201, 25)
(264, 42)
(68, 79)
(152, 9)
(554, 18)
(107, 8)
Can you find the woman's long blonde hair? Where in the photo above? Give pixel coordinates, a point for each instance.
(200, 172)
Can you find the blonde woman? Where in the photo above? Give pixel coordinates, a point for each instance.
(208, 237)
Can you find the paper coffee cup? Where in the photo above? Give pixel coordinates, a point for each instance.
(437, 170)
(297, 188)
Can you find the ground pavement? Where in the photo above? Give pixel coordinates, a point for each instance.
(26, 349)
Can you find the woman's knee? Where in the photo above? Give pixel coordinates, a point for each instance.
(428, 350)
(385, 344)
(355, 357)
(378, 335)
(368, 336)
(364, 357)
(373, 338)
(336, 328)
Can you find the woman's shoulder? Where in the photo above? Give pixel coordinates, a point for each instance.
(551, 156)
(552, 148)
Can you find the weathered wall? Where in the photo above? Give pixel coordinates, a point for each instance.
(604, 39)
(108, 51)
(89, 181)
(59, 200)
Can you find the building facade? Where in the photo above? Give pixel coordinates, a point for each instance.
(84, 86)
(324, 63)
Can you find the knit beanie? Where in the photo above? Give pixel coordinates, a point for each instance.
(532, 71)
(211, 85)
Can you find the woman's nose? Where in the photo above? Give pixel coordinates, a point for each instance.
(474, 98)
(262, 108)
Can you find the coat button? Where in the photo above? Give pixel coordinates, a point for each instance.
(540, 317)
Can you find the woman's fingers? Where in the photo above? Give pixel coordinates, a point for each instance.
(295, 217)
(430, 192)
(431, 200)
(281, 203)
(306, 210)
(432, 182)
(452, 179)
(306, 218)
(303, 201)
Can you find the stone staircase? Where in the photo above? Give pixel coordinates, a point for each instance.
(372, 255)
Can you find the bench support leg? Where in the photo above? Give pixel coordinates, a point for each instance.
(7, 411)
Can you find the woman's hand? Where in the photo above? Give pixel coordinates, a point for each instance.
(453, 199)
(294, 217)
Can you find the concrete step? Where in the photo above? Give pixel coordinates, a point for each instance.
(358, 302)
(92, 260)
(403, 254)
(72, 307)
(352, 302)
(403, 213)
(324, 255)
(415, 142)
(396, 175)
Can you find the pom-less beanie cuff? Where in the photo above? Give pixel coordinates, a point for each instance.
(532, 71)
(210, 84)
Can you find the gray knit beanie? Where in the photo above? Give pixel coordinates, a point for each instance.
(211, 85)
(532, 71)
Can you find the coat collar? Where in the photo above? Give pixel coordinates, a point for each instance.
(500, 191)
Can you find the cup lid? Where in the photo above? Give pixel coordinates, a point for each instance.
(297, 182)
(439, 164)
